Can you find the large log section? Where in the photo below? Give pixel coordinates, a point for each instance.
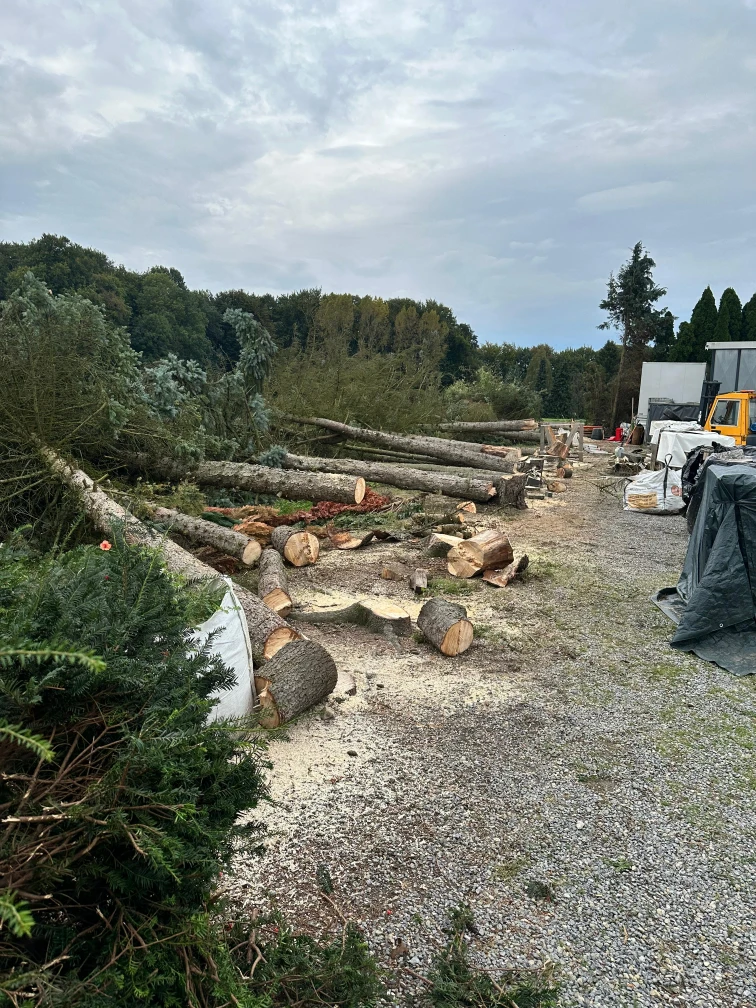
(234, 544)
(447, 451)
(269, 634)
(410, 479)
(291, 485)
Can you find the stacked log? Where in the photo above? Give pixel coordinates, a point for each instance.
(299, 678)
(466, 488)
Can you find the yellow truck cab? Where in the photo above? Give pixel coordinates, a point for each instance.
(734, 414)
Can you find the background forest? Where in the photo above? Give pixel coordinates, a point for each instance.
(336, 350)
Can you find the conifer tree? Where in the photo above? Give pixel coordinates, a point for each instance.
(748, 323)
(729, 317)
(664, 340)
(692, 340)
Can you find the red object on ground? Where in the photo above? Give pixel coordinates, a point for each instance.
(324, 510)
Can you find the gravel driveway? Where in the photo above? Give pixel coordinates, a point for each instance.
(587, 790)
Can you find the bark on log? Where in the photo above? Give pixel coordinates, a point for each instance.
(501, 578)
(272, 587)
(300, 548)
(438, 545)
(297, 678)
(291, 485)
(377, 615)
(489, 425)
(487, 549)
(512, 491)
(471, 488)
(445, 625)
(235, 544)
(435, 447)
(268, 633)
(418, 581)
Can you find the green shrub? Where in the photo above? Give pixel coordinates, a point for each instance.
(491, 398)
(120, 799)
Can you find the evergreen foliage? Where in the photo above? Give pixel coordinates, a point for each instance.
(748, 324)
(117, 778)
(729, 317)
(691, 341)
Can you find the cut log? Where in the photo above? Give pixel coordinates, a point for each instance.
(272, 587)
(487, 549)
(567, 470)
(450, 529)
(423, 518)
(556, 486)
(377, 615)
(489, 425)
(356, 540)
(438, 545)
(502, 577)
(419, 580)
(472, 488)
(441, 448)
(281, 482)
(503, 451)
(460, 566)
(268, 633)
(467, 507)
(560, 449)
(512, 491)
(297, 678)
(445, 625)
(393, 571)
(300, 548)
(198, 530)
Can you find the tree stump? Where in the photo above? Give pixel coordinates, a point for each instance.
(378, 615)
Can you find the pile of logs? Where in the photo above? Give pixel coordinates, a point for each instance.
(488, 553)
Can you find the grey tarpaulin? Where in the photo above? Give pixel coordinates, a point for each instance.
(714, 602)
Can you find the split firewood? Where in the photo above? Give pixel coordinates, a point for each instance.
(556, 486)
(445, 625)
(294, 680)
(255, 530)
(559, 472)
(355, 540)
(438, 545)
(272, 587)
(419, 580)
(450, 484)
(560, 449)
(502, 577)
(487, 550)
(467, 507)
(300, 548)
(198, 530)
(393, 571)
(460, 566)
(377, 615)
(503, 451)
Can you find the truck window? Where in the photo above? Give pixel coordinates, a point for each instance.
(726, 413)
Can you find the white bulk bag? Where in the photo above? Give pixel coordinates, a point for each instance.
(657, 492)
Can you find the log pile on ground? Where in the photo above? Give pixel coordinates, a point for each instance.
(299, 677)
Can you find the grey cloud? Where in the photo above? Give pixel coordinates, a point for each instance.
(497, 155)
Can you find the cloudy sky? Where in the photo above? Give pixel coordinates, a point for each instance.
(501, 156)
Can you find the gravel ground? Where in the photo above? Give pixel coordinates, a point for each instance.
(587, 790)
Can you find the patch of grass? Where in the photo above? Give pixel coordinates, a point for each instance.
(621, 864)
(508, 870)
(455, 983)
(285, 507)
(665, 671)
(452, 586)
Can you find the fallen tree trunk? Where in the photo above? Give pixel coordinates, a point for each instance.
(300, 548)
(297, 678)
(467, 488)
(377, 615)
(489, 425)
(235, 544)
(291, 485)
(272, 587)
(270, 636)
(447, 451)
(445, 625)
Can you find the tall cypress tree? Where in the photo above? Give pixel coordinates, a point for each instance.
(664, 340)
(748, 324)
(691, 341)
(729, 317)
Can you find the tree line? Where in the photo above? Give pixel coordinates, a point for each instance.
(331, 344)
